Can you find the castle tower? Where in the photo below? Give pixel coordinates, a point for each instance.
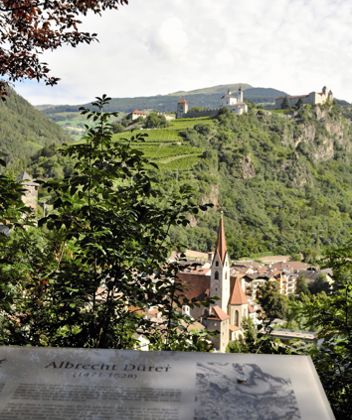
(182, 108)
(220, 270)
(240, 95)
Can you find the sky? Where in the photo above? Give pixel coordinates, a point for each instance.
(162, 46)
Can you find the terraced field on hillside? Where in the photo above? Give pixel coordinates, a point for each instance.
(166, 147)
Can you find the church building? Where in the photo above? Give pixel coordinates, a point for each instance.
(230, 305)
(234, 102)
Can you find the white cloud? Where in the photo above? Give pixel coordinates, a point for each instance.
(162, 46)
(170, 41)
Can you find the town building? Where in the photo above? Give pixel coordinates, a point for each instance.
(136, 113)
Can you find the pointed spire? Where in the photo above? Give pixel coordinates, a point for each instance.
(238, 297)
(221, 248)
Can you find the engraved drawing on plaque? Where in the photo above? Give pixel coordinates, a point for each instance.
(227, 388)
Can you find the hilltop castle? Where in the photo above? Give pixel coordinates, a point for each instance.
(234, 102)
(312, 98)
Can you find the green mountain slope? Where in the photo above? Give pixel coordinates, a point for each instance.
(283, 181)
(167, 147)
(24, 131)
(282, 178)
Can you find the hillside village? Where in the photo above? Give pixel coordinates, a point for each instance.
(234, 285)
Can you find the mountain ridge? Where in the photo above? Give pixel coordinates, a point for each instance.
(213, 89)
(206, 97)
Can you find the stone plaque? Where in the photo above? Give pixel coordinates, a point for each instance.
(80, 384)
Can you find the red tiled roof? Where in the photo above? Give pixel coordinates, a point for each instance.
(221, 248)
(194, 285)
(290, 266)
(182, 101)
(238, 297)
(218, 313)
(137, 111)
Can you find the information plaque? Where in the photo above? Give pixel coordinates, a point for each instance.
(82, 384)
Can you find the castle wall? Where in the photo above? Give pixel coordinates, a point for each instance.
(239, 109)
(313, 98)
(198, 114)
(292, 100)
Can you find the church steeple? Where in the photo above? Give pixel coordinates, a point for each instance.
(220, 270)
(221, 248)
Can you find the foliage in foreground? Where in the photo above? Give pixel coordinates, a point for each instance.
(98, 261)
(331, 315)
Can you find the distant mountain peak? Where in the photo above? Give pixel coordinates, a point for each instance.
(212, 89)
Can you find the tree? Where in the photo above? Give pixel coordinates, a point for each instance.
(320, 284)
(155, 120)
(246, 343)
(285, 104)
(331, 315)
(299, 103)
(30, 27)
(255, 341)
(12, 210)
(273, 303)
(199, 109)
(26, 258)
(302, 285)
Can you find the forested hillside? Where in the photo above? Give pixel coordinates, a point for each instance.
(24, 131)
(283, 180)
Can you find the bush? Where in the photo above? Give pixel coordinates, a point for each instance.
(155, 120)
